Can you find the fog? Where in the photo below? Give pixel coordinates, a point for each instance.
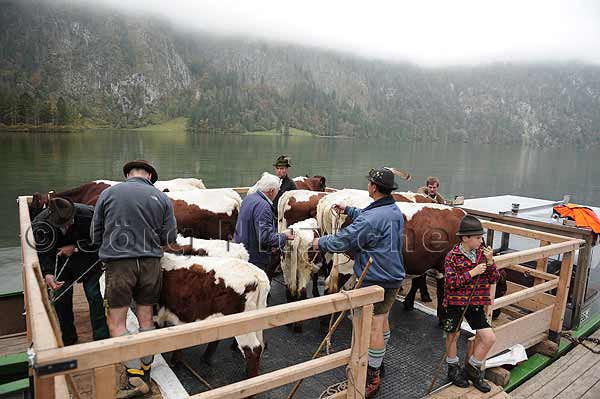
(425, 32)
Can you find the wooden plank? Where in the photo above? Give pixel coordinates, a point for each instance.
(524, 232)
(542, 264)
(550, 373)
(527, 255)
(119, 349)
(566, 269)
(361, 336)
(277, 378)
(528, 224)
(533, 272)
(44, 388)
(454, 392)
(521, 330)
(61, 389)
(104, 382)
(524, 294)
(580, 281)
(536, 303)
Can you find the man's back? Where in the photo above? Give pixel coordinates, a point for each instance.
(133, 219)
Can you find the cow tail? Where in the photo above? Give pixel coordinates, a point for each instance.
(263, 289)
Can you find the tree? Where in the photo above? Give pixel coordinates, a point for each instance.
(62, 112)
(25, 109)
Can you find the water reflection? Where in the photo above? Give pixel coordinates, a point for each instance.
(39, 162)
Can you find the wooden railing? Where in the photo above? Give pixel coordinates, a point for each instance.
(52, 362)
(547, 311)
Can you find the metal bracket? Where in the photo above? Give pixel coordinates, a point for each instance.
(56, 367)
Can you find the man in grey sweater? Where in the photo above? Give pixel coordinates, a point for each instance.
(131, 222)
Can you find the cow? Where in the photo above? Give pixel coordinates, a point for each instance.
(295, 206)
(200, 213)
(210, 213)
(88, 193)
(200, 288)
(315, 183)
(212, 248)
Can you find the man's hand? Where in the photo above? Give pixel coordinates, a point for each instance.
(315, 244)
(67, 250)
(289, 235)
(489, 255)
(477, 270)
(340, 207)
(52, 283)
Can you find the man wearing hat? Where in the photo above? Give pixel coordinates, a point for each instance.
(282, 164)
(132, 222)
(469, 271)
(376, 232)
(66, 255)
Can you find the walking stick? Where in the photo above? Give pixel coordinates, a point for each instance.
(439, 366)
(333, 328)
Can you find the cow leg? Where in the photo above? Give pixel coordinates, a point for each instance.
(422, 285)
(209, 352)
(251, 348)
(441, 311)
(297, 326)
(315, 285)
(409, 299)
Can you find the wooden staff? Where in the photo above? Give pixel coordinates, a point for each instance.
(333, 328)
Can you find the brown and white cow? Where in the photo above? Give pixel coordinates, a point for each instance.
(199, 288)
(297, 205)
(315, 183)
(210, 213)
(88, 193)
(212, 248)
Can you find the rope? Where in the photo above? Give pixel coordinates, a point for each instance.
(75, 281)
(568, 335)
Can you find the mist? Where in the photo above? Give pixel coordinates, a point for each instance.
(428, 33)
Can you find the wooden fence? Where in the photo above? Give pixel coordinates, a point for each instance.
(54, 364)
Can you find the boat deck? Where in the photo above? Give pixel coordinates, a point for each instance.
(576, 375)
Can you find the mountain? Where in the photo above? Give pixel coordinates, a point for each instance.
(65, 64)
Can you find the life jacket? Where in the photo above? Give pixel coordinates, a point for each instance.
(583, 216)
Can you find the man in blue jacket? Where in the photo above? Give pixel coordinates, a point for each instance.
(255, 226)
(376, 232)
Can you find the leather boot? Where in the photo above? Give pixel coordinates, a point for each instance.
(456, 375)
(476, 376)
(147, 368)
(373, 382)
(135, 386)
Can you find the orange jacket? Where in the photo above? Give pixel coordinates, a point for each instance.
(583, 216)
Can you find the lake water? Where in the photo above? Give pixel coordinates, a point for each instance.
(42, 162)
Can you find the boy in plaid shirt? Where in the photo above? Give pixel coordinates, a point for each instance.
(469, 271)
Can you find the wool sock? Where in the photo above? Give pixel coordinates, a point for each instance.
(376, 357)
(452, 360)
(475, 363)
(386, 338)
(147, 360)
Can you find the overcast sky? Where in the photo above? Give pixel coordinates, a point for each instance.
(429, 33)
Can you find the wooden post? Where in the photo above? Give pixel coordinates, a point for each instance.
(105, 382)
(580, 281)
(505, 239)
(558, 314)
(43, 388)
(361, 337)
(541, 264)
(490, 238)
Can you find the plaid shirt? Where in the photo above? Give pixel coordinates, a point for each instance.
(458, 281)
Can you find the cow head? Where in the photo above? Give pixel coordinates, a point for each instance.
(38, 203)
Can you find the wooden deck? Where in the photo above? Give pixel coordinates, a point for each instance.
(84, 380)
(454, 392)
(574, 375)
(13, 344)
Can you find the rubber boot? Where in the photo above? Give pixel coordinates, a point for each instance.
(373, 382)
(476, 376)
(456, 375)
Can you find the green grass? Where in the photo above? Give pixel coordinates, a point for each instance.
(174, 125)
(272, 132)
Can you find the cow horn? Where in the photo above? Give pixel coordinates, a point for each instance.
(400, 173)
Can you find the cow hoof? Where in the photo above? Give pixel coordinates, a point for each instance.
(409, 305)
(426, 298)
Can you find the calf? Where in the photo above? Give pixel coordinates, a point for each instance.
(199, 288)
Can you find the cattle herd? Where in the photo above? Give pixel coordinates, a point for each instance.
(207, 276)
